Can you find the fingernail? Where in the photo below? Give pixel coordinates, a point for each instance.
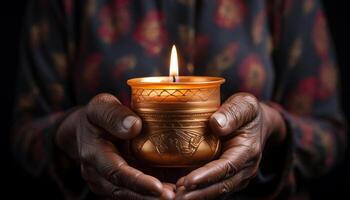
(220, 119)
(129, 121)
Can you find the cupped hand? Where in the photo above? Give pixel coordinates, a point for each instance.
(244, 124)
(89, 135)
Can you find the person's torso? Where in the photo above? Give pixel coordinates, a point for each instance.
(123, 39)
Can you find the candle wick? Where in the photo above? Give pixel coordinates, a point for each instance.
(174, 79)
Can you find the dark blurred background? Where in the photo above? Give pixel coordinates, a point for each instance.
(18, 185)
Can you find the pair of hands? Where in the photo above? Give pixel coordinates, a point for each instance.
(90, 133)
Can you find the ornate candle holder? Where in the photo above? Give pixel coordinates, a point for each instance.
(175, 117)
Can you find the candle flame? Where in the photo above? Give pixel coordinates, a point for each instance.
(174, 66)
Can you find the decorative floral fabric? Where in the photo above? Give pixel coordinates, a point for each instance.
(278, 50)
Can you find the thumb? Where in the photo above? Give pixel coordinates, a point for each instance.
(106, 112)
(238, 110)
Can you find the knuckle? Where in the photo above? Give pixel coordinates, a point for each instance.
(248, 102)
(106, 113)
(230, 169)
(233, 113)
(111, 174)
(95, 101)
(112, 119)
(225, 187)
(93, 108)
(135, 177)
(250, 109)
(242, 108)
(251, 100)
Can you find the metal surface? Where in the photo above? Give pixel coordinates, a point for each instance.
(175, 120)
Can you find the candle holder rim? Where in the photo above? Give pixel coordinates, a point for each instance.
(199, 80)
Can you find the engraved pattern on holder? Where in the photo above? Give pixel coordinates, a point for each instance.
(173, 95)
(184, 142)
(176, 133)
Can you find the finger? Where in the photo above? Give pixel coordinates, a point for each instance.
(115, 169)
(105, 111)
(170, 186)
(104, 188)
(238, 110)
(104, 157)
(180, 182)
(180, 192)
(97, 183)
(168, 191)
(232, 161)
(232, 184)
(123, 193)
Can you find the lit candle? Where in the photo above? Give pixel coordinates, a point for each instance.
(175, 112)
(174, 66)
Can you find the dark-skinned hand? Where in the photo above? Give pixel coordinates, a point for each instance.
(89, 134)
(245, 125)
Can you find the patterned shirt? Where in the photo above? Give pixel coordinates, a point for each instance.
(278, 50)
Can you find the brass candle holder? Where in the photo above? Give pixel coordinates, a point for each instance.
(175, 117)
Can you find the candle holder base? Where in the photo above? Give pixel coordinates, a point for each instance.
(175, 140)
